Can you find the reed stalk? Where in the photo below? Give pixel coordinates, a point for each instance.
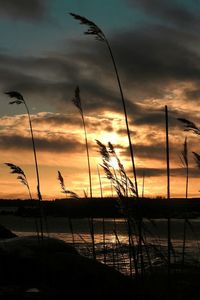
(143, 181)
(77, 102)
(71, 195)
(185, 164)
(72, 230)
(168, 197)
(130, 251)
(123, 187)
(24, 181)
(19, 99)
(120, 246)
(103, 220)
(94, 30)
(115, 232)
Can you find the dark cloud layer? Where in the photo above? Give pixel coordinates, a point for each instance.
(22, 9)
(58, 86)
(55, 120)
(156, 118)
(155, 54)
(193, 94)
(57, 145)
(149, 58)
(155, 150)
(171, 11)
(174, 172)
(67, 120)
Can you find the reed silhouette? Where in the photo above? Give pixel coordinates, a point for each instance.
(185, 165)
(71, 195)
(124, 187)
(19, 99)
(169, 246)
(77, 102)
(192, 127)
(24, 181)
(97, 32)
(103, 220)
(21, 176)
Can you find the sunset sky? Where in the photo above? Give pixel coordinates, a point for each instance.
(44, 55)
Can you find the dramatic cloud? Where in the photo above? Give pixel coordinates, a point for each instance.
(58, 123)
(176, 12)
(159, 172)
(22, 9)
(57, 145)
(53, 78)
(157, 56)
(156, 60)
(54, 132)
(192, 94)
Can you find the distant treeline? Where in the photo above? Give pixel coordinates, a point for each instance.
(105, 207)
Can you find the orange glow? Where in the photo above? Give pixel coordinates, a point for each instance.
(60, 146)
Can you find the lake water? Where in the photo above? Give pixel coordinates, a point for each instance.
(112, 247)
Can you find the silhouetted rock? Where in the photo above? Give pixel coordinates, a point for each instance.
(6, 233)
(51, 269)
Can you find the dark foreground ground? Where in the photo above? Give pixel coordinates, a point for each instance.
(106, 207)
(51, 269)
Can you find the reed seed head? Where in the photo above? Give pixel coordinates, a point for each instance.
(13, 94)
(93, 29)
(64, 190)
(190, 126)
(103, 151)
(197, 159)
(77, 100)
(17, 170)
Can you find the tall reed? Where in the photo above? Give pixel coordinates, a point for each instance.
(94, 30)
(103, 220)
(21, 176)
(71, 195)
(97, 32)
(168, 197)
(24, 181)
(185, 164)
(19, 99)
(143, 180)
(190, 126)
(124, 188)
(77, 102)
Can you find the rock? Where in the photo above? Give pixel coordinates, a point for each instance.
(6, 233)
(32, 247)
(56, 271)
